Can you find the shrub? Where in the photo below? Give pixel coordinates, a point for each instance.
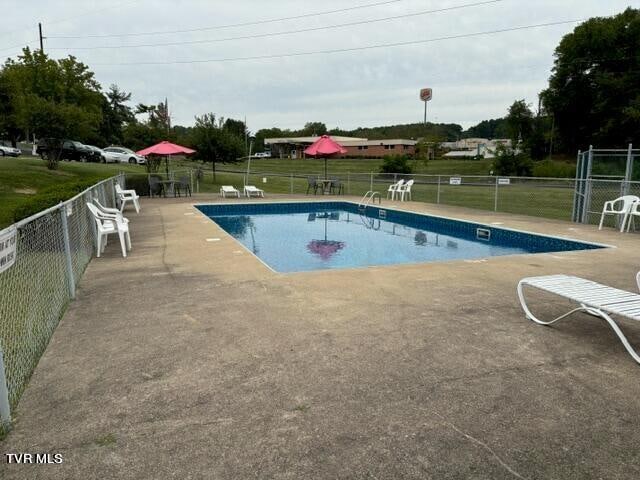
(396, 164)
(512, 162)
(50, 197)
(139, 183)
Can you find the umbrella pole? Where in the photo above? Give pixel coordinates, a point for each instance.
(325, 168)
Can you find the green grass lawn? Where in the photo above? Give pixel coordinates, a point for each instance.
(365, 165)
(23, 177)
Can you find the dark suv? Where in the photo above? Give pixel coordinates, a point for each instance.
(71, 150)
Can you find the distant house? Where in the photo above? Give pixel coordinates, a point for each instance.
(293, 147)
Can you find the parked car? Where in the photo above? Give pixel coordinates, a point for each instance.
(70, 149)
(263, 155)
(123, 155)
(9, 151)
(97, 154)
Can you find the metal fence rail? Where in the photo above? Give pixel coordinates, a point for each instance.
(53, 249)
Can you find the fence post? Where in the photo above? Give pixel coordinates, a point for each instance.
(67, 251)
(371, 184)
(348, 183)
(113, 191)
(495, 200)
(629, 171)
(438, 195)
(587, 192)
(577, 189)
(291, 179)
(5, 410)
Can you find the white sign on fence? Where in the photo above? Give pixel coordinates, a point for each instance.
(455, 181)
(8, 241)
(504, 181)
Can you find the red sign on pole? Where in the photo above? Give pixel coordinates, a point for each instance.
(426, 94)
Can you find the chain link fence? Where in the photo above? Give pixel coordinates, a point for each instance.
(541, 197)
(52, 250)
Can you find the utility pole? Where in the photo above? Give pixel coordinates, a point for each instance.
(41, 37)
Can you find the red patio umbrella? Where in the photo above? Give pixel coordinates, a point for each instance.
(325, 249)
(166, 149)
(325, 147)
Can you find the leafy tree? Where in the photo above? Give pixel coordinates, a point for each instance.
(51, 98)
(214, 143)
(115, 115)
(519, 122)
(494, 128)
(510, 161)
(396, 164)
(594, 91)
(425, 150)
(313, 128)
(235, 127)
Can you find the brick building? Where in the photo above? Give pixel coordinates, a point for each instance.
(356, 147)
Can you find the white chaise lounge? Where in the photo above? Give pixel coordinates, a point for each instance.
(594, 298)
(229, 190)
(250, 190)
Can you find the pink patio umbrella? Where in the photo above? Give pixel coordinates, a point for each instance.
(166, 149)
(325, 249)
(325, 147)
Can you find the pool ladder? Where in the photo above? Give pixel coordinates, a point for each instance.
(368, 198)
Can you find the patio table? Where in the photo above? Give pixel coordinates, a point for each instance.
(326, 185)
(169, 186)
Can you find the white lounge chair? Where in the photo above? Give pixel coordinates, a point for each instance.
(127, 196)
(393, 189)
(250, 190)
(405, 190)
(106, 226)
(229, 190)
(594, 298)
(619, 206)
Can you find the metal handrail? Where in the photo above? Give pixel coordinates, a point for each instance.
(368, 198)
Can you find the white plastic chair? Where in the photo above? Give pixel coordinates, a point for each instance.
(110, 212)
(250, 190)
(393, 189)
(630, 218)
(405, 190)
(127, 196)
(229, 190)
(619, 206)
(106, 226)
(594, 298)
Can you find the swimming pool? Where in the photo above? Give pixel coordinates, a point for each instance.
(305, 236)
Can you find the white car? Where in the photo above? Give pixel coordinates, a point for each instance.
(263, 155)
(122, 155)
(9, 151)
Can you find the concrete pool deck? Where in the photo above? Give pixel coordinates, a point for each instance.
(191, 359)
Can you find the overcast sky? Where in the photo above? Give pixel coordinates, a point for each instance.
(473, 78)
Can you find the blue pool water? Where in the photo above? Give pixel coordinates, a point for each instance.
(294, 237)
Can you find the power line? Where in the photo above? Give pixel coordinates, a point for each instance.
(289, 32)
(343, 50)
(233, 25)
